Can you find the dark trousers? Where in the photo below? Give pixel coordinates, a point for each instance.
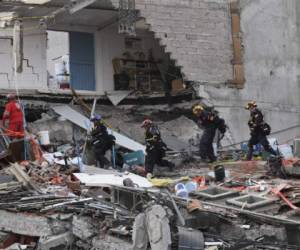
(100, 150)
(206, 144)
(100, 156)
(155, 156)
(262, 139)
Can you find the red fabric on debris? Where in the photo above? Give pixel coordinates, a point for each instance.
(290, 162)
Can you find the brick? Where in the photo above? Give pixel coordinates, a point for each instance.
(197, 34)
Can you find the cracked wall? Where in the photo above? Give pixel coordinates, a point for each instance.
(34, 75)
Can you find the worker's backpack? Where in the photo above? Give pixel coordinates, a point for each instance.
(266, 128)
(222, 127)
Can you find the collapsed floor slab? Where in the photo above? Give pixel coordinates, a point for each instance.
(83, 122)
(30, 225)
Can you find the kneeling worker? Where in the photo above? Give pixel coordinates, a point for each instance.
(155, 147)
(210, 122)
(101, 140)
(259, 130)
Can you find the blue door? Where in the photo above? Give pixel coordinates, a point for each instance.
(82, 61)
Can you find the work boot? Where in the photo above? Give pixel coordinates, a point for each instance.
(171, 166)
(212, 159)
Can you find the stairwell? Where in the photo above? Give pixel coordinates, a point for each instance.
(196, 34)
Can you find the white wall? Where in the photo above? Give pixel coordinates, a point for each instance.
(34, 75)
(57, 46)
(271, 50)
(109, 45)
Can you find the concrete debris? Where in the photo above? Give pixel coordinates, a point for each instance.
(85, 123)
(52, 200)
(152, 226)
(110, 243)
(50, 242)
(28, 224)
(82, 227)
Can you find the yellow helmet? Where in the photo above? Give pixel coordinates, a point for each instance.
(197, 109)
(251, 104)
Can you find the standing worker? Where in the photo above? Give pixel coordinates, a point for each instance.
(210, 122)
(14, 114)
(155, 147)
(259, 130)
(101, 140)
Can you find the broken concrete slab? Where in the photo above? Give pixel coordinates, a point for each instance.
(182, 128)
(60, 131)
(61, 241)
(117, 96)
(82, 227)
(140, 236)
(110, 243)
(158, 228)
(83, 122)
(152, 226)
(29, 224)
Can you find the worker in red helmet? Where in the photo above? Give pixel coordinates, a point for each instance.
(14, 114)
(155, 147)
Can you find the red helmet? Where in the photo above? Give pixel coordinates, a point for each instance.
(146, 123)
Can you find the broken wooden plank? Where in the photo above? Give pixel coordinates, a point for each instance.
(22, 177)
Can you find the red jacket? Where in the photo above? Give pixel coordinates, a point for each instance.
(13, 112)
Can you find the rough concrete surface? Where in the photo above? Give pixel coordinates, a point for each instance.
(270, 35)
(110, 243)
(30, 225)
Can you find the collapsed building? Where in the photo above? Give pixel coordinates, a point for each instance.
(230, 51)
(221, 53)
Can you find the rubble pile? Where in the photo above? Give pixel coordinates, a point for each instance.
(55, 200)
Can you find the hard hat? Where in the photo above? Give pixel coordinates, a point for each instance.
(197, 109)
(146, 122)
(96, 118)
(251, 104)
(11, 96)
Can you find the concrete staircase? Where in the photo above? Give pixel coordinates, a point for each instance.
(196, 33)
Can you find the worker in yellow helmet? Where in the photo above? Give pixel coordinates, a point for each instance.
(210, 122)
(259, 130)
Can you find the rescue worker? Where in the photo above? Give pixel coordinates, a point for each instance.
(101, 141)
(14, 114)
(259, 130)
(155, 148)
(210, 122)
